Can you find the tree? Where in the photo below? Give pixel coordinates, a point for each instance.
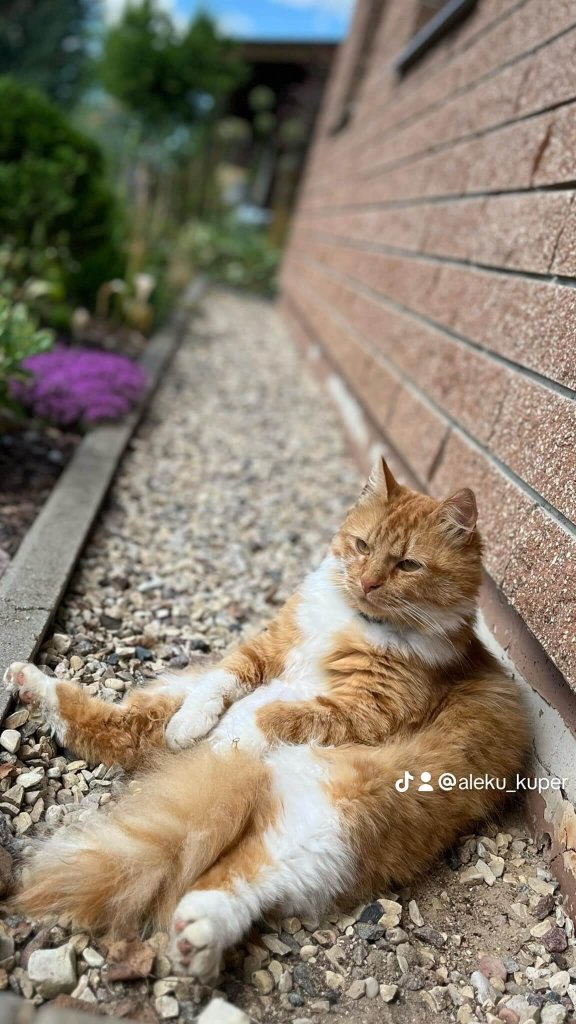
(44, 43)
(165, 77)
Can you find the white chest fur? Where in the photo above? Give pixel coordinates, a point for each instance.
(322, 613)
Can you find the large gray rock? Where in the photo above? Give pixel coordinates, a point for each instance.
(52, 971)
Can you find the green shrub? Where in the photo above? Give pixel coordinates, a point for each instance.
(54, 198)
(19, 338)
(233, 254)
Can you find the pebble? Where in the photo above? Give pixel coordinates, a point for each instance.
(555, 940)
(167, 1007)
(219, 1011)
(472, 876)
(553, 1013)
(10, 739)
(415, 915)
(482, 987)
(275, 946)
(17, 719)
(263, 981)
(52, 971)
(493, 967)
(388, 992)
(486, 872)
(357, 989)
(541, 887)
(92, 957)
(308, 952)
(430, 936)
(371, 988)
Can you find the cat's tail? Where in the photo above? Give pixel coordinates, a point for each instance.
(118, 872)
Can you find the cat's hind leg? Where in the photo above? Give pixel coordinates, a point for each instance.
(123, 734)
(294, 857)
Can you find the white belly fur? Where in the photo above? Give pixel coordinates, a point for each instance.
(321, 614)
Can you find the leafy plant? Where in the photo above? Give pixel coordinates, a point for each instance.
(165, 76)
(19, 340)
(72, 385)
(232, 253)
(54, 197)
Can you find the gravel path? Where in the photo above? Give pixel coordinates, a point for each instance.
(233, 485)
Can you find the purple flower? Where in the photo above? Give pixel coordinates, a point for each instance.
(68, 385)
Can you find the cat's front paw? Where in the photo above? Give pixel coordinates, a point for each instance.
(29, 683)
(191, 722)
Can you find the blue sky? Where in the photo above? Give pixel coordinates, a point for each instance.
(265, 19)
(279, 19)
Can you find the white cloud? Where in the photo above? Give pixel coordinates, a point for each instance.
(339, 8)
(113, 9)
(238, 24)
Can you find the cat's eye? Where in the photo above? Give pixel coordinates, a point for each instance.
(361, 545)
(408, 565)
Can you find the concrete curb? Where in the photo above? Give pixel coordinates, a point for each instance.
(33, 584)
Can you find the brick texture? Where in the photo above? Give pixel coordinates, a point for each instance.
(433, 261)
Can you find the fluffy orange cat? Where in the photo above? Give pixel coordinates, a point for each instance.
(279, 792)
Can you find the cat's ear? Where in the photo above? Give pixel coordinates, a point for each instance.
(381, 480)
(459, 513)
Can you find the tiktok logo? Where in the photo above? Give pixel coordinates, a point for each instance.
(403, 783)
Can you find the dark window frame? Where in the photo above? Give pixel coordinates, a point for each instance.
(451, 14)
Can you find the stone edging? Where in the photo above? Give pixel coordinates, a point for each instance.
(34, 582)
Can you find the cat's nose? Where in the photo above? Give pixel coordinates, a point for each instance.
(368, 585)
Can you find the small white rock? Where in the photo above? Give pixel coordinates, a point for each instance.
(357, 989)
(559, 982)
(92, 957)
(415, 915)
(10, 740)
(372, 988)
(388, 993)
(307, 952)
(219, 1011)
(167, 1007)
(30, 779)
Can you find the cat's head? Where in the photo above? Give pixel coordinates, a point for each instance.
(407, 558)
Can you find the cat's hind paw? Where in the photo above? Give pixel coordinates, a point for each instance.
(30, 684)
(196, 949)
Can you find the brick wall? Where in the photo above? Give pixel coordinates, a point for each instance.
(432, 267)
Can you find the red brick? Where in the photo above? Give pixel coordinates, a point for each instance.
(417, 432)
(529, 556)
(536, 81)
(532, 152)
(533, 232)
(540, 582)
(535, 435)
(529, 427)
(529, 322)
(501, 505)
(466, 385)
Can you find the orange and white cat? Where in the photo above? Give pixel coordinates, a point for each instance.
(278, 793)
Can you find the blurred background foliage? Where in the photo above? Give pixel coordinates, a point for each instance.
(132, 155)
